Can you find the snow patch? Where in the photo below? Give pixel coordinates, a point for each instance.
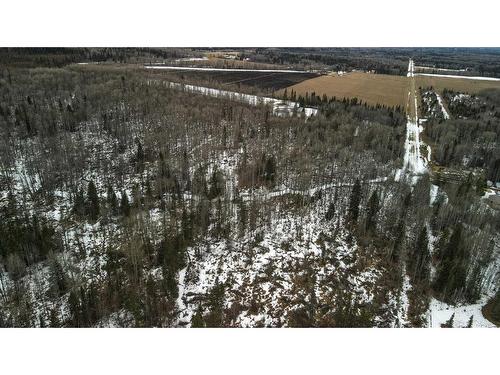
(166, 67)
(280, 107)
(440, 313)
(457, 77)
(446, 115)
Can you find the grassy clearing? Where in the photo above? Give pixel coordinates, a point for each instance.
(370, 88)
(470, 86)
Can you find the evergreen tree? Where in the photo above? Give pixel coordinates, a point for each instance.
(149, 191)
(481, 185)
(495, 307)
(124, 204)
(163, 168)
(224, 137)
(330, 213)
(54, 321)
(471, 320)
(399, 237)
(79, 204)
(473, 289)
(170, 282)
(92, 201)
(449, 322)
(11, 210)
(42, 321)
(57, 278)
(197, 319)
(242, 217)
(74, 309)
(464, 187)
(270, 170)
(216, 184)
(354, 200)
(452, 269)
(372, 211)
(187, 226)
(215, 317)
(199, 185)
(136, 196)
(111, 199)
(419, 260)
(140, 158)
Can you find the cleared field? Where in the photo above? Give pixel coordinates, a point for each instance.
(373, 89)
(268, 81)
(470, 86)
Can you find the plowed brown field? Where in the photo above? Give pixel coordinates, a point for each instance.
(373, 89)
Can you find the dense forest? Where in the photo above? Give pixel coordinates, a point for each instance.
(471, 138)
(59, 57)
(127, 202)
(476, 61)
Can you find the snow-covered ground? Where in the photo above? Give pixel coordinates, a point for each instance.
(446, 115)
(284, 190)
(440, 313)
(460, 77)
(180, 299)
(204, 58)
(267, 271)
(280, 107)
(171, 67)
(436, 193)
(434, 106)
(413, 162)
(411, 67)
(403, 302)
(440, 69)
(460, 97)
